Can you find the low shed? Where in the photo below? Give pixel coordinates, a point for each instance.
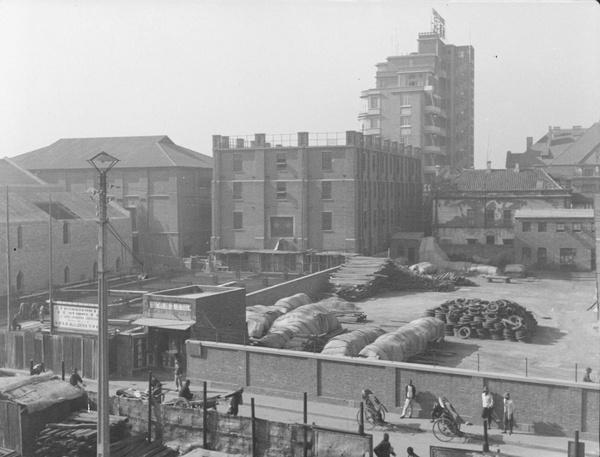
(28, 403)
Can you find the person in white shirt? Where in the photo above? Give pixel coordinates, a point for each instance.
(410, 393)
(488, 406)
(509, 411)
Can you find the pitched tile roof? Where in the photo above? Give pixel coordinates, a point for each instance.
(554, 213)
(132, 152)
(11, 174)
(529, 159)
(581, 150)
(503, 181)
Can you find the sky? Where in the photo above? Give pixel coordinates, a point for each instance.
(193, 69)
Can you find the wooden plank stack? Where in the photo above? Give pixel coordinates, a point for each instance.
(77, 437)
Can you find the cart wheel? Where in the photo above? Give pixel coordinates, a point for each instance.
(370, 419)
(443, 429)
(182, 403)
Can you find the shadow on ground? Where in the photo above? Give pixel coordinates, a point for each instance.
(547, 335)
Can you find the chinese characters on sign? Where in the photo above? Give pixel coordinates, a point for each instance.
(75, 317)
(170, 306)
(438, 24)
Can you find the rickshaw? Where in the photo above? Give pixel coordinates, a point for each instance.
(447, 424)
(373, 410)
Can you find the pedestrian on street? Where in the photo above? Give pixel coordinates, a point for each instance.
(384, 449)
(509, 411)
(410, 452)
(15, 324)
(38, 369)
(235, 402)
(587, 376)
(488, 407)
(185, 391)
(410, 393)
(41, 312)
(34, 311)
(178, 374)
(75, 379)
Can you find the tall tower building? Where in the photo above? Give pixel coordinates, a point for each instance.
(426, 99)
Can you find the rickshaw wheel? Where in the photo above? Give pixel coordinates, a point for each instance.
(444, 429)
(370, 418)
(182, 403)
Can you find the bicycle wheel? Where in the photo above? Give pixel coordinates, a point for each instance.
(370, 419)
(443, 429)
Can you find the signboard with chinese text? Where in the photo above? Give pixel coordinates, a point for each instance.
(438, 24)
(75, 317)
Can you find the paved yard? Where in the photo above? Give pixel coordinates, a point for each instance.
(567, 333)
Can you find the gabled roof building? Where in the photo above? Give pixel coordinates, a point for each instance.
(165, 188)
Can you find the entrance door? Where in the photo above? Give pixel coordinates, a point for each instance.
(411, 255)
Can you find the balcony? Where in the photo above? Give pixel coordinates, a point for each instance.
(434, 150)
(434, 129)
(432, 109)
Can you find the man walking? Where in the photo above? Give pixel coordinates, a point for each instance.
(488, 407)
(384, 449)
(509, 410)
(587, 376)
(410, 393)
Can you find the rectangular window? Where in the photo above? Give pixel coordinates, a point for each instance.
(281, 161)
(541, 226)
(507, 215)
(282, 227)
(238, 220)
(374, 102)
(526, 254)
(527, 226)
(560, 227)
(237, 163)
(326, 190)
(405, 111)
(237, 190)
(327, 161)
(542, 255)
(471, 240)
(404, 120)
(327, 221)
(490, 215)
(405, 100)
(281, 190)
(490, 239)
(576, 227)
(567, 256)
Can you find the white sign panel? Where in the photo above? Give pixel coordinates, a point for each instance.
(169, 306)
(75, 317)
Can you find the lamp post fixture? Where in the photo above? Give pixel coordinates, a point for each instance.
(102, 162)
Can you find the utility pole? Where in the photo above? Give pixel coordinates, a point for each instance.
(50, 278)
(7, 263)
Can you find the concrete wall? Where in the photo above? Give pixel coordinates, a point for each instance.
(312, 285)
(545, 406)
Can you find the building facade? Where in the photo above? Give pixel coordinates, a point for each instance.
(164, 187)
(474, 213)
(298, 207)
(426, 99)
(556, 239)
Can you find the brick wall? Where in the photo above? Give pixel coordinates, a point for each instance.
(544, 406)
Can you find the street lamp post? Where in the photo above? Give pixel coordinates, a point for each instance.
(102, 162)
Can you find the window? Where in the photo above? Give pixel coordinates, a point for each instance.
(326, 190)
(281, 190)
(541, 226)
(327, 221)
(374, 102)
(237, 190)
(374, 123)
(67, 275)
(490, 239)
(576, 227)
(526, 254)
(19, 237)
(508, 241)
(507, 215)
(471, 240)
(542, 255)
(567, 256)
(282, 227)
(281, 161)
(404, 120)
(471, 218)
(405, 100)
(237, 163)
(405, 111)
(66, 233)
(560, 227)
(20, 280)
(527, 226)
(490, 215)
(238, 220)
(327, 161)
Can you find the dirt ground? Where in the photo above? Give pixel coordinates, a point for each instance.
(567, 339)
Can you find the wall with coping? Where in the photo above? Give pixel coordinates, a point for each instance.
(544, 406)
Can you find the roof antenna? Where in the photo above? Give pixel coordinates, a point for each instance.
(487, 156)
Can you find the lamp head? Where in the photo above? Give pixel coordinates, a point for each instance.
(103, 162)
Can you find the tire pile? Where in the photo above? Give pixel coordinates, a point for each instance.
(476, 318)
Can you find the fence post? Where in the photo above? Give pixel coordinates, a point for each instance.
(361, 423)
(486, 446)
(31, 367)
(526, 371)
(305, 417)
(575, 372)
(149, 406)
(478, 362)
(62, 367)
(253, 427)
(204, 419)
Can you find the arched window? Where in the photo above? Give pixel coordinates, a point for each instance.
(118, 265)
(67, 274)
(66, 234)
(20, 280)
(20, 237)
(95, 270)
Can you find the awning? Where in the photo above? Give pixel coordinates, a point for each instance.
(171, 324)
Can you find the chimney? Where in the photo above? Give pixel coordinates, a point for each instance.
(517, 167)
(529, 142)
(489, 166)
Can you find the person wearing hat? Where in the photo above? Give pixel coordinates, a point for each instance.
(488, 406)
(384, 449)
(509, 411)
(411, 452)
(586, 376)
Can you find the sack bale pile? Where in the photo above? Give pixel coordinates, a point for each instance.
(476, 318)
(259, 318)
(408, 341)
(350, 344)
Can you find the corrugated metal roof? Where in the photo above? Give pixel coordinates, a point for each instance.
(170, 324)
(555, 213)
(132, 152)
(503, 181)
(578, 152)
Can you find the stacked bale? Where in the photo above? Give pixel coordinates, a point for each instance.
(259, 318)
(476, 318)
(350, 344)
(310, 319)
(408, 341)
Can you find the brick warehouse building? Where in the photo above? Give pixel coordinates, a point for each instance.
(301, 206)
(165, 188)
(33, 204)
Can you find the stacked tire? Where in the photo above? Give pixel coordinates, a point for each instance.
(476, 318)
